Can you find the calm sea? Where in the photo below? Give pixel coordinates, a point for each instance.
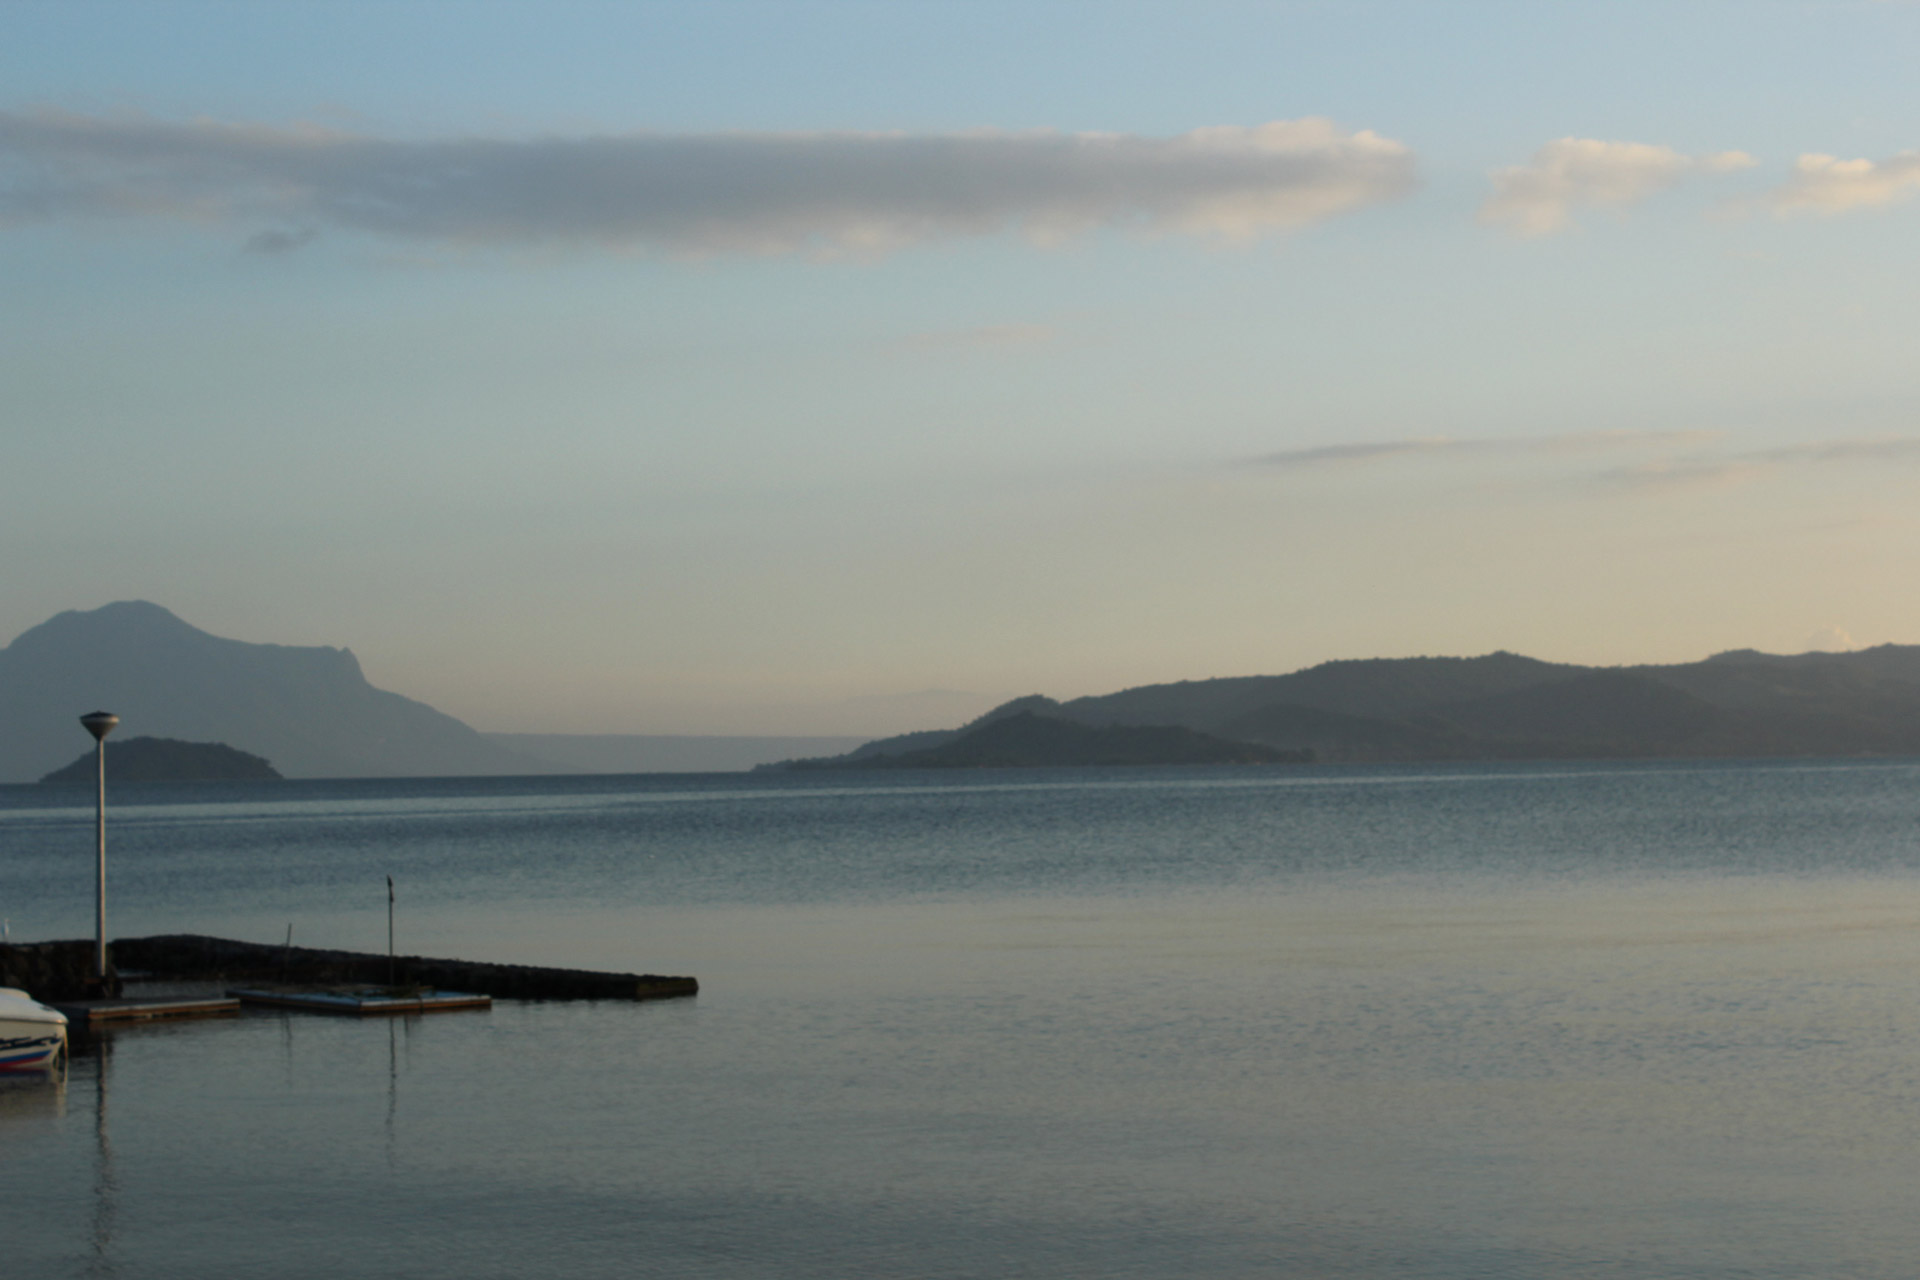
(1553, 1021)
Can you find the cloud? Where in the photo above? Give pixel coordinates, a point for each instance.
(1871, 449)
(1511, 446)
(280, 242)
(1832, 638)
(1702, 471)
(1828, 184)
(696, 193)
(1370, 451)
(1669, 462)
(1539, 197)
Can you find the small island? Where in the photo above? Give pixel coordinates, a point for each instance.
(167, 760)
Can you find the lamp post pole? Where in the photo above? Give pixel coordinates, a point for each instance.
(100, 724)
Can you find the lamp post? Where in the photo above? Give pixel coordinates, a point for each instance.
(100, 724)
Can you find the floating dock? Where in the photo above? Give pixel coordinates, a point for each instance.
(360, 1001)
(85, 1015)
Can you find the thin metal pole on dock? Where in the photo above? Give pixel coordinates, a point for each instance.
(389, 930)
(100, 724)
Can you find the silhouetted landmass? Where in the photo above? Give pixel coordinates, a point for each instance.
(1024, 740)
(166, 760)
(1503, 706)
(926, 739)
(308, 709)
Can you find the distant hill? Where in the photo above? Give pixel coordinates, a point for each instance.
(165, 760)
(926, 739)
(1026, 740)
(307, 709)
(1503, 706)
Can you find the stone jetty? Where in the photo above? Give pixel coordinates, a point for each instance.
(55, 970)
(49, 972)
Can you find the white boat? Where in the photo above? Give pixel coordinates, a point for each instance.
(32, 1036)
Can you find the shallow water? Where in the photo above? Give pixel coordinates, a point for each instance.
(1630, 1020)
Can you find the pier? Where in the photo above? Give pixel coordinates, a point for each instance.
(84, 1016)
(188, 956)
(56, 972)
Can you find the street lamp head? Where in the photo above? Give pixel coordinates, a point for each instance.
(99, 723)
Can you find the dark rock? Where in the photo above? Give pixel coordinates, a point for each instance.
(50, 971)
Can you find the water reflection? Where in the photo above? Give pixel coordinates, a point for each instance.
(393, 1083)
(34, 1107)
(35, 1097)
(96, 1053)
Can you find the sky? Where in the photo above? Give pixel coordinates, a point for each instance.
(816, 367)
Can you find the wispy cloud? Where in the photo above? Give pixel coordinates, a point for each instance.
(1369, 451)
(1869, 449)
(1655, 463)
(1702, 470)
(1373, 451)
(1828, 184)
(275, 241)
(693, 193)
(1540, 196)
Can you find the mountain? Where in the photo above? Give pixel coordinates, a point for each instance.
(927, 739)
(165, 760)
(1372, 688)
(307, 709)
(1502, 706)
(1024, 740)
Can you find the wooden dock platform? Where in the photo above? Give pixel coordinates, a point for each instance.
(359, 1001)
(83, 1015)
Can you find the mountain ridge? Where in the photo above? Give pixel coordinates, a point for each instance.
(309, 709)
(312, 712)
(1027, 739)
(1507, 706)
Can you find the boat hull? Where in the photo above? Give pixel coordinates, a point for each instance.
(30, 1046)
(32, 1036)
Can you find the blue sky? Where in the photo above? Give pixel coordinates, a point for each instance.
(849, 367)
